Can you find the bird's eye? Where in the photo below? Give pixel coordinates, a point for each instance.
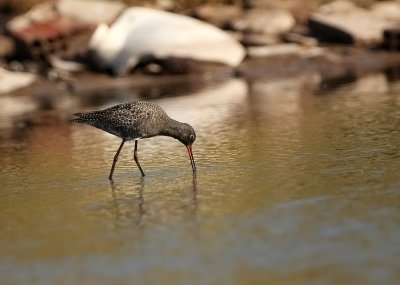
(192, 137)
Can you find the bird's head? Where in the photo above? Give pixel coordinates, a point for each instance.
(187, 135)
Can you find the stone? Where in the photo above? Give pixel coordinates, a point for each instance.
(183, 66)
(100, 11)
(44, 31)
(13, 80)
(65, 65)
(391, 38)
(141, 33)
(389, 10)
(339, 7)
(253, 39)
(342, 22)
(6, 46)
(272, 21)
(300, 39)
(218, 15)
(167, 5)
(275, 50)
(300, 9)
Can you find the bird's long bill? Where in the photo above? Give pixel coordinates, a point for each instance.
(189, 148)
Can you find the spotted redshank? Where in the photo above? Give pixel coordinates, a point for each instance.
(135, 121)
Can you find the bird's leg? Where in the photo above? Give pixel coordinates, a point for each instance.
(116, 159)
(135, 157)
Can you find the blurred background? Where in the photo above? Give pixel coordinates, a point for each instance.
(296, 110)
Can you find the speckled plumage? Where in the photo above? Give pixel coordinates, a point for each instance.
(138, 120)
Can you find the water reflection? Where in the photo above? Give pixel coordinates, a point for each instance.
(127, 206)
(137, 203)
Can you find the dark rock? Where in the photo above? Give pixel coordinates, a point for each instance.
(342, 22)
(391, 38)
(329, 32)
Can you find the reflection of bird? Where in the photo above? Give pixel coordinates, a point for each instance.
(138, 120)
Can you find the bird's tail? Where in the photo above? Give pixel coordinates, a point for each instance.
(91, 118)
(79, 118)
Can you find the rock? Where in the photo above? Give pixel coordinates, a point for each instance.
(330, 62)
(300, 9)
(59, 28)
(140, 33)
(181, 66)
(43, 31)
(274, 21)
(65, 65)
(339, 7)
(10, 81)
(167, 5)
(300, 39)
(391, 38)
(389, 10)
(343, 22)
(218, 15)
(6, 46)
(100, 11)
(39, 13)
(276, 50)
(253, 39)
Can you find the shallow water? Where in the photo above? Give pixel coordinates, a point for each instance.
(295, 185)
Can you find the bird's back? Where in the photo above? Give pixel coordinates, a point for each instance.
(128, 120)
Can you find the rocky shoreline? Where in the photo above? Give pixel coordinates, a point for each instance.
(57, 45)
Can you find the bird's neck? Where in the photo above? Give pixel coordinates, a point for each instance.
(172, 128)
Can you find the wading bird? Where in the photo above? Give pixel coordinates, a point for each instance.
(135, 121)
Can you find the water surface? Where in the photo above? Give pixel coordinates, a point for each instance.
(295, 185)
